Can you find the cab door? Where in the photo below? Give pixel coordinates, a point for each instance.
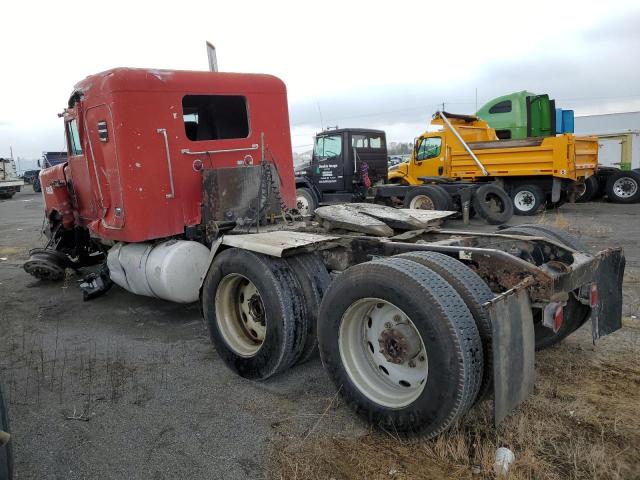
(328, 163)
(104, 163)
(429, 158)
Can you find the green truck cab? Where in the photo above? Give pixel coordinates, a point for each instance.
(520, 115)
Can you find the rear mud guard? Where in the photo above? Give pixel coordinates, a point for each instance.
(513, 349)
(606, 317)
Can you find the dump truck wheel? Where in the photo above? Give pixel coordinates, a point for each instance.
(590, 190)
(427, 197)
(623, 187)
(575, 313)
(306, 202)
(446, 200)
(400, 346)
(314, 279)
(6, 458)
(527, 199)
(36, 185)
(256, 319)
(475, 292)
(493, 204)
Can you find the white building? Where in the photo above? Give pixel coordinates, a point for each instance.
(618, 134)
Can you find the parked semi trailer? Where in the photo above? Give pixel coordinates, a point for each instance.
(182, 185)
(534, 171)
(350, 165)
(10, 183)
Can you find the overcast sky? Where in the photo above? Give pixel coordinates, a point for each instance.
(368, 64)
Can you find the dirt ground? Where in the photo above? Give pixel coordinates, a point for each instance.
(130, 387)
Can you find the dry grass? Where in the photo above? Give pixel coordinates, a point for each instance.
(581, 423)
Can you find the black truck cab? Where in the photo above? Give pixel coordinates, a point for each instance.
(345, 164)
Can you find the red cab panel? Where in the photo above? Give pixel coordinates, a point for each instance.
(57, 199)
(141, 135)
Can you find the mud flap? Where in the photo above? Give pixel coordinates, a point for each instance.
(513, 350)
(607, 316)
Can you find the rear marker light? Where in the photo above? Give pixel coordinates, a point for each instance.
(593, 295)
(553, 316)
(558, 316)
(197, 165)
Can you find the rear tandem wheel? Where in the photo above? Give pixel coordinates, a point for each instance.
(401, 346)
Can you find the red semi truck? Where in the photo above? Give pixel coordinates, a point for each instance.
(181, 185)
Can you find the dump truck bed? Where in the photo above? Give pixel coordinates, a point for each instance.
(564, 156)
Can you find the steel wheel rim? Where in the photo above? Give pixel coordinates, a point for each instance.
(302, 204)
(364, 341)
(240, 315)
(625, 187)
(524, 200)
(422, 202)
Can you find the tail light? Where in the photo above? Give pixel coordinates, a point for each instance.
(553, 316)
(593, 295)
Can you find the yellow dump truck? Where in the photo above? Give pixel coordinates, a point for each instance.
(535, 172)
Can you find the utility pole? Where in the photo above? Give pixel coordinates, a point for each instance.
(442, 107)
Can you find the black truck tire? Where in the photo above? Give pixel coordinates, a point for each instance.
(591, 189)
(314, 279)
(407, 310)
(36, 185)
(427, 197)
(623, 186)
(447, 201)
(527, 200)
(6, 457)
(475, 292)
(255, 318)
(575, 313)
(493, 204)
(306, 201)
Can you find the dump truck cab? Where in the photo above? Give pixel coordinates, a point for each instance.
(431, 149)
(345, 163)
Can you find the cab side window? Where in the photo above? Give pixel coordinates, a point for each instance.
(428, 148)
(328, 147)
(73, 136)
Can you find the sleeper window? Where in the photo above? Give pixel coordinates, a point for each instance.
(215, 117)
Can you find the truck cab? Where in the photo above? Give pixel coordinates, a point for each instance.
(521, 115)
(344, 164)
(432, 151)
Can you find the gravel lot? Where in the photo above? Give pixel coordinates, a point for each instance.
(129, 387)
